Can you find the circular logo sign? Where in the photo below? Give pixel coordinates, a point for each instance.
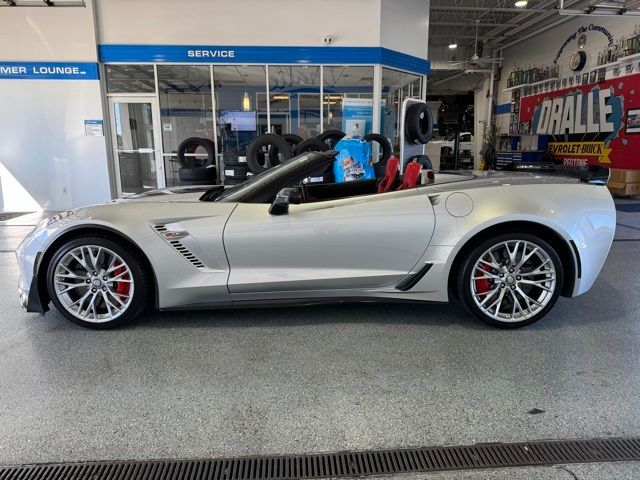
(582, 39)
(578, 60)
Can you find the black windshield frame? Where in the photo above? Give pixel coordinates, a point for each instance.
(263, 187)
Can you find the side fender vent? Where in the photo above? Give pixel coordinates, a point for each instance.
(162, 230)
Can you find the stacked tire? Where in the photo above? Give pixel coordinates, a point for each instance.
(194, 170)
(235, 167)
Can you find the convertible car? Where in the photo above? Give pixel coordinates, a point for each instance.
(506, 244)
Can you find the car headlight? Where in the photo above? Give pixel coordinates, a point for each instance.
(44, 223)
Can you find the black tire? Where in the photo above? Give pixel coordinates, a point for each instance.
(197, 174)
(232, 163)
(235, 171)
(255, 151)
(466, 270)
(322, 178)
(424, 160)
(232, 158)
(141, 276)
(418, 123)
(331, 137)
(233, 181)
(310, 145)
(380, 168)
(291, 139)
(191, 183)
(383, 142)
(190, 145)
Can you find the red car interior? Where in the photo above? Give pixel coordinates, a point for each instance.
(390, 176)
(411, 175)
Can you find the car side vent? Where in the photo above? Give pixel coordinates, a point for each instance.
(163, 231)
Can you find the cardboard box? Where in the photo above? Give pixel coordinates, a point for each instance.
(621, 188)
(620, 175)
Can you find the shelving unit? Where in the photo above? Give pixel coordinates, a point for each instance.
(517, 87)
(620, 61)
(519, 145)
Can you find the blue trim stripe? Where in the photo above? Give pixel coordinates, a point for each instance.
(404, 61)
(260, 55)
(502, 108)
(48, 71)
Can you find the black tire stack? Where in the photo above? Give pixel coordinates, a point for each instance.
(235, 167)
(195, 171)
(269, 150)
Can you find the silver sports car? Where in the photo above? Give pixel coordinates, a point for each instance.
(507, 244)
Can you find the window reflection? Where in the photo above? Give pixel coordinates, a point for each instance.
(186, 111)
(348, 99)
(294, 91)
(396, 86)
(240, 115)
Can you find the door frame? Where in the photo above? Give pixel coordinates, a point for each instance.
(157, 136)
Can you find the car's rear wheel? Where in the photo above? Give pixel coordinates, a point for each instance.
(511, 280)
(97, 283)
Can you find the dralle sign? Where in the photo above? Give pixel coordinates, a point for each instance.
(566, 114)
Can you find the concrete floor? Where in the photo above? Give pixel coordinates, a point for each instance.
(314, 379)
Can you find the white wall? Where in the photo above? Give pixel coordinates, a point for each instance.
(401, 25)
(45, 157)
(239, 22)
(404, 26)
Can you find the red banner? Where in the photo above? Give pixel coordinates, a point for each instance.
(597, 123)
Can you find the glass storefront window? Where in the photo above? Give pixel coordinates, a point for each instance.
(130, 79)
(295, 102)
(241, 116)
(186, 111)
(396, 86)
(294, 91)
(348, 99)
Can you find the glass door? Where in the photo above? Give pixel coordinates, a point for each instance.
(136, 138)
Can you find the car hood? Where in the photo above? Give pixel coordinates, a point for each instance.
(172, 194)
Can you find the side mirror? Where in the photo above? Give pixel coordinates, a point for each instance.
(284, 198)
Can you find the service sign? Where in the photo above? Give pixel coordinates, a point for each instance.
(598, 123)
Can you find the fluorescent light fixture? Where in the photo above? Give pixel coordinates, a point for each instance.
(521, 3)
(246, 102)
(453, 45)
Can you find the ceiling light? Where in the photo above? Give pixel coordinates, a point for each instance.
(453, 45)
(521, 3)
(246, 102)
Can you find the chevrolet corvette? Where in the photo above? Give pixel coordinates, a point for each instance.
(507, 244)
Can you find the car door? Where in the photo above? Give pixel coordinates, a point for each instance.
(360, 242)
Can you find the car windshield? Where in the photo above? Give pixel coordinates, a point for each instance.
(261, 181)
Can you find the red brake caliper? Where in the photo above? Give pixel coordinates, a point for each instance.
(121, 287)
(482, 284)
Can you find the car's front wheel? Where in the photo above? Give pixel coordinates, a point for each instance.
(511, 280)
(97, 283)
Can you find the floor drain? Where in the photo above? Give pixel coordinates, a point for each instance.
(343, 464)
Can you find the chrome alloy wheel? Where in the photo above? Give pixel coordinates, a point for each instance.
(513, 281)
(93, 283)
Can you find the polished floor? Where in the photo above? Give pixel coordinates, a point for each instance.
(314, 379)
